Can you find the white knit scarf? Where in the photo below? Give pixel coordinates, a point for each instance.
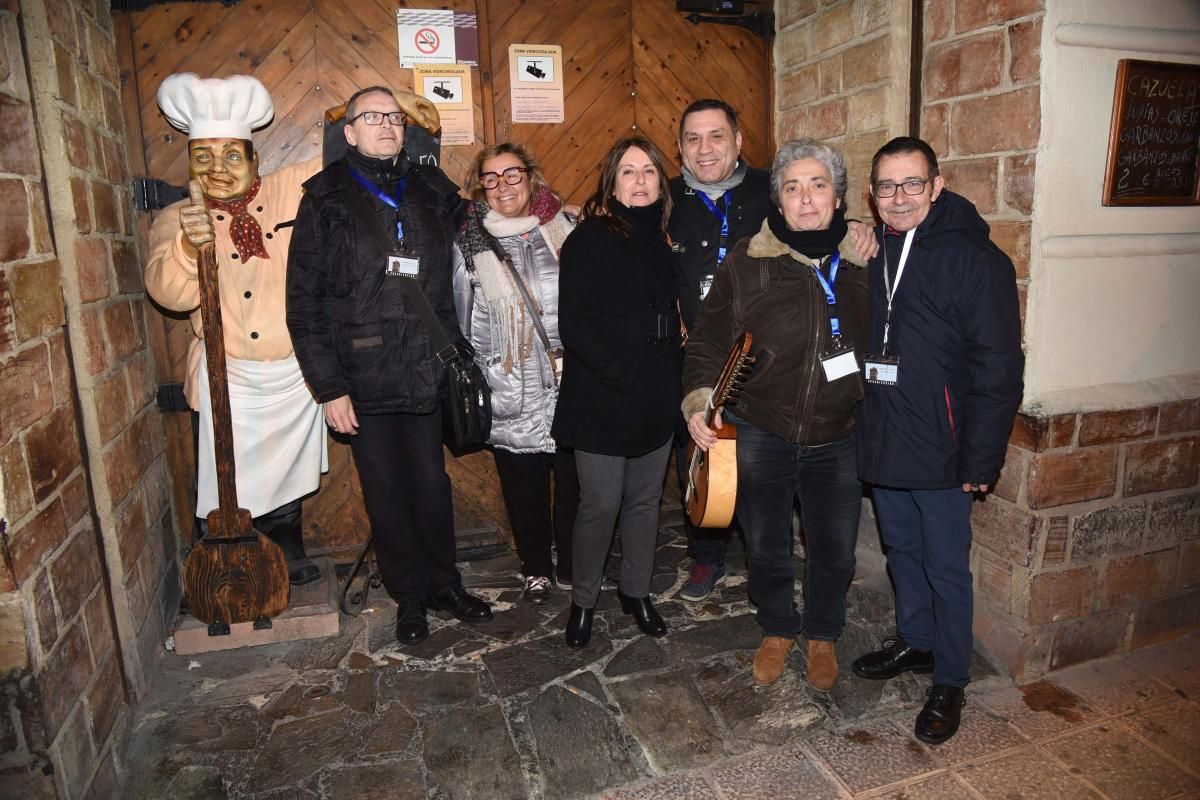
(511, 337)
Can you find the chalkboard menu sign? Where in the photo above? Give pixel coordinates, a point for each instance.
(1152, 147)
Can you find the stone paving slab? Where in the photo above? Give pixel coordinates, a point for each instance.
(669, 717)
(1116, 762)
(1028, 773)
(506, 710)
(872, 756)
(1040, 709)
(790, 772)
(582, 746)
(1173, 728)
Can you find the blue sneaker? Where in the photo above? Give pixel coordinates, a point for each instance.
(702, 580)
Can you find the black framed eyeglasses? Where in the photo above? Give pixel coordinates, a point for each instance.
(912, 187)
(398, 119)
(512, 176)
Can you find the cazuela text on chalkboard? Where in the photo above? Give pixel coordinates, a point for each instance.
(1152, 148)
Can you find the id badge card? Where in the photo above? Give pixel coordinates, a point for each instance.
(839, 364)
(403, 265)
(882, 370)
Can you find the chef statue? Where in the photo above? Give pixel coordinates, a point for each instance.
(278, 429)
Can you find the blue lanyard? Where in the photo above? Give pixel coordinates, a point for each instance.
(394, 201)
(835, 325)
(723, 245)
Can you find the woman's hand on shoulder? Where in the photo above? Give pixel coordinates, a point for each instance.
(863, 239)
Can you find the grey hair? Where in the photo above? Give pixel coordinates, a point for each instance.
(798, 149)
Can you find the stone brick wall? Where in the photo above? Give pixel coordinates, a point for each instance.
(1090, 545)
(980, 110)
(836, 80)
(89, 571)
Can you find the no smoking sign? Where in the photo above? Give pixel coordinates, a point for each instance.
(425, 36)
(427, 41)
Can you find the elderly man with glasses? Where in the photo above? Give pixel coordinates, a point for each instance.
(943, 384)
(373, 229)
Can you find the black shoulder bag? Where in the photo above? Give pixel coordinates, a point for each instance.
(467, 407)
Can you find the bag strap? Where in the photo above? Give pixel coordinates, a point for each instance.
(535, 310)
(447, 353)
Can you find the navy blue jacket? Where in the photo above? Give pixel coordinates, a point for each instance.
(957, 332)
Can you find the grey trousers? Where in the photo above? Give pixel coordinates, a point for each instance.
(612, 487)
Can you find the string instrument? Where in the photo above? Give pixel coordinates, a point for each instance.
(712, 475)
(234, 573)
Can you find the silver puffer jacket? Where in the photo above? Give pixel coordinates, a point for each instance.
(522, 400)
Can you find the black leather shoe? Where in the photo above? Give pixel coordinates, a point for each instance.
(303, 571)
(939, 719)
(896, 657)
(648, 620)
(461, 605)
(411, 625)
(579, 626)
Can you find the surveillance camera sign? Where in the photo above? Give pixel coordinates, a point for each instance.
(448, 86)
(535, 80)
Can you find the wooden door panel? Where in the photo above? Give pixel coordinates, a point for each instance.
(597, 85)
(678, 62)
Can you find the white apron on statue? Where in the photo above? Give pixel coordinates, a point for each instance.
(279, 441)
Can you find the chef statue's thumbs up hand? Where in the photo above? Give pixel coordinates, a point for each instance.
(196, 221)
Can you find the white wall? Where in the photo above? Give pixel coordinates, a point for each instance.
(1114, 297)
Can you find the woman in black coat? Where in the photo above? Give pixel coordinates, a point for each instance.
(618, 315)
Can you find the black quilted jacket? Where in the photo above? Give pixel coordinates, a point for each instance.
(354, 328)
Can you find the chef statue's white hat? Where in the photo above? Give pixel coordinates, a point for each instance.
(215, 108)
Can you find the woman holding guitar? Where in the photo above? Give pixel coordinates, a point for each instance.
(618, 297)
(798, 286)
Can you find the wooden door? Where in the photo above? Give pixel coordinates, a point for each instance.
(631, 66)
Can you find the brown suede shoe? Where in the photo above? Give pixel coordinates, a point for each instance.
(822, 665)
(768, 661)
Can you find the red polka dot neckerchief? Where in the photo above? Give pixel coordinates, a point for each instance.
(244, 229)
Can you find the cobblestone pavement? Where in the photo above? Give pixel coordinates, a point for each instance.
(506, 710)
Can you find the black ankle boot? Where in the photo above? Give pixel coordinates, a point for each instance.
(284, 527)
(579, 626)
(648, 620)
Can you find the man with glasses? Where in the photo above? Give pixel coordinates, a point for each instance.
(943, 384)
(373, 228)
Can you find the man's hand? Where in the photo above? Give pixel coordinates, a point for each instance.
(196, 221)
(702, 435)
(339, 415)
(976, 487)
(863, 240)
(421, 111)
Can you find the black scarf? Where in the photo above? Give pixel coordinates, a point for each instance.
(814, 244)
(645, 222)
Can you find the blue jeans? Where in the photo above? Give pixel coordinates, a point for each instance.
(927, 533)
(771, 474)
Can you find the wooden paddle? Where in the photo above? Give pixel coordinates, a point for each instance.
(234, 573)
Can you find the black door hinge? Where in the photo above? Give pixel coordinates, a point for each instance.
(170, 398)
(151, 194)
(142, 5)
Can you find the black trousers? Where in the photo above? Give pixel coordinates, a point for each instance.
(538, 522)
(406, 491)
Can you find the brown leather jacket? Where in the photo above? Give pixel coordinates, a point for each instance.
(771, 291)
